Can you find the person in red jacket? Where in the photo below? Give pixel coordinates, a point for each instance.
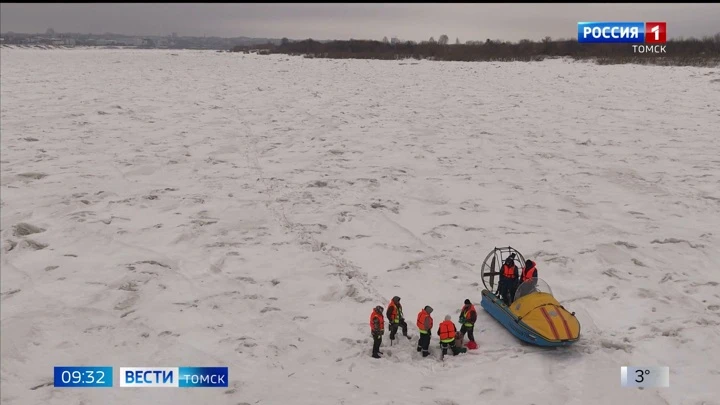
(377, 330)
(468, 317)
(424, 324)
(508, 280)
(396, 319)
(529, 273)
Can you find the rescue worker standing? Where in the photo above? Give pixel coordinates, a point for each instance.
(508, 280)
(395, 318)
(468, 317)
(424, 324)
(529, 273)
(447, 332)
(377, 329)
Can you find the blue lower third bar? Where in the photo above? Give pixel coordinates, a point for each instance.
(210, 377)
(611, 32)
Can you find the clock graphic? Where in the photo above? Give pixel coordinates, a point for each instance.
(83, 377)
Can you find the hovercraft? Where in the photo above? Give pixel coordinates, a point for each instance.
(534, 315)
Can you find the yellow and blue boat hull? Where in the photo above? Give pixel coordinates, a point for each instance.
(536, 318)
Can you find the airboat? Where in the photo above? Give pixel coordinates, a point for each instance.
(534, 315)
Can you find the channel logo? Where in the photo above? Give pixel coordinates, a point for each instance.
(173, 377)
(622, 32)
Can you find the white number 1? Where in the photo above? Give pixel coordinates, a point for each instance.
(656, 30)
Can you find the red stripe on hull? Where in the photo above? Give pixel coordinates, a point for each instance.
(550, 322)
(567, 328)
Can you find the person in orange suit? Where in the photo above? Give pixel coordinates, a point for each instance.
(530, 272)
(448, 334)
(377, 330)
(396, 319)
(424, 324)
(508, 280)
(468, 317)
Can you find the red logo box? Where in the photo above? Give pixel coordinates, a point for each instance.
(655, 32)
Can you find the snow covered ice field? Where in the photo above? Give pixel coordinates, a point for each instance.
(191, 208)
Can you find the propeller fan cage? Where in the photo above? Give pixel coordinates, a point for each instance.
(492, 265)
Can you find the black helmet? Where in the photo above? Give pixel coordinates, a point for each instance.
(529, 263)
(428, 309)
(467, 302)
(396, 299)
(379, 309)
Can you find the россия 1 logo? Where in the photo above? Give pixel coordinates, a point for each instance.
(652, 34)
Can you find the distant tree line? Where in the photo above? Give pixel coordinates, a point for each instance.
(679, 52)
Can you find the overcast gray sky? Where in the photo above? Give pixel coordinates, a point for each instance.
(360, 21)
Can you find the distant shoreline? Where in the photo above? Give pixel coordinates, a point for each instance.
(706, 61)
(686, 52)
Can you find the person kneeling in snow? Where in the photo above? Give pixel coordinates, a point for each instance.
(377, 330)
(459, 343)
(448, 333)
